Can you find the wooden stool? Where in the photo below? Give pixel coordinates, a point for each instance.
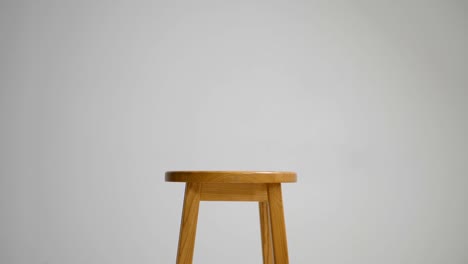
(259, 186)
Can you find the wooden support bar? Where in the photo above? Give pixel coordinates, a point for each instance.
(278, 227)
(234, 192)
(265, 228)
(188, 225)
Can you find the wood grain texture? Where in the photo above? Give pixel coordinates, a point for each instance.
(278, 227)
(233, 192)
(265, 231)
(188, 225)
(231, 176)
(264, 187)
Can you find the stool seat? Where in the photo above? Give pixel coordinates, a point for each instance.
(231, 176)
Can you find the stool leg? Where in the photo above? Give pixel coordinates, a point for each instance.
(188, 225)
(278, 228)
(265, 233)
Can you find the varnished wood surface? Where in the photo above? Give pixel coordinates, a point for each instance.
(231, 176)
(265, 231)
(188, 225)
(264, 187)
(278, 227)
(233, 192)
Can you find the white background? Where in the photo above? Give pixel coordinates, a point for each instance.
(366, 100)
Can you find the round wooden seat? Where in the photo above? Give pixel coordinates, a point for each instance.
(231, 176)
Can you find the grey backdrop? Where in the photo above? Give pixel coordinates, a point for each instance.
(366, 100)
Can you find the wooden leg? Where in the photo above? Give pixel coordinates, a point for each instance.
(278, 228)
(188, 225)
(265, 233)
